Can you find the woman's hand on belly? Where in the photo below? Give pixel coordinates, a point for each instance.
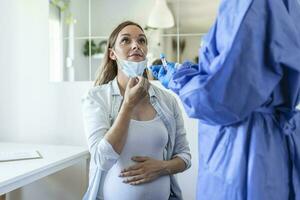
(145, 170)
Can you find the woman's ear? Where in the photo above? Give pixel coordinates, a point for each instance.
(112, 54)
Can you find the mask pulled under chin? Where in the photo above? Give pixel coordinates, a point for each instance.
(132, 69)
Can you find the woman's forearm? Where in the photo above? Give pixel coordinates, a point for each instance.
(117, 134)
(173, 166)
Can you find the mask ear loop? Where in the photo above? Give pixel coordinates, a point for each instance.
(115, 54)
(111, 49)
(146, 55)
(143, 52)
(117, 60)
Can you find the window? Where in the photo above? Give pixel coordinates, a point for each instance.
(55, 44)
(83, 26)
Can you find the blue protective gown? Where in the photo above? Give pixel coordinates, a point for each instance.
(244, 91)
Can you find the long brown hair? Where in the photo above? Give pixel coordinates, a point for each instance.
(108, 69)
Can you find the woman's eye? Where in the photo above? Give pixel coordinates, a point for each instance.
(142, 41)
(125, 40)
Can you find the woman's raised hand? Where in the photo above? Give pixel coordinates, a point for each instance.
(136, 90)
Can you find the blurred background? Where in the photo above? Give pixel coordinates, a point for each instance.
(79, 30)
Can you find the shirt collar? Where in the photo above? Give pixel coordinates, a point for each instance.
(116, 89)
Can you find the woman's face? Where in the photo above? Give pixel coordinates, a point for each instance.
(131, 44)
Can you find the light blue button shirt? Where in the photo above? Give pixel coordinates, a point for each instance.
(100, 108)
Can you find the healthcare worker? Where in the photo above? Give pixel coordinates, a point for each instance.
(244, 91)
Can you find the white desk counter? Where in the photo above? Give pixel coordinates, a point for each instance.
(15, 174)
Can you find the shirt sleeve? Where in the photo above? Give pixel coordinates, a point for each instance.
(97, 123)
(181, 146)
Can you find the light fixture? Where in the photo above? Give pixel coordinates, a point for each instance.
(161, 16)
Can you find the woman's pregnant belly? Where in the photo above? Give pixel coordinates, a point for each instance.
(115, 189)
(144, 139)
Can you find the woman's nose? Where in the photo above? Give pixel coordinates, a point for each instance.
(135, 45)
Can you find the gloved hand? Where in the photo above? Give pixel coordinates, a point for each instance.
(164, 75)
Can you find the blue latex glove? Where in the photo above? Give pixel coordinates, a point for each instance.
(163, 75)
(154, 70)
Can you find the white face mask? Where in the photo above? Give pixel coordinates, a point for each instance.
(132, 69)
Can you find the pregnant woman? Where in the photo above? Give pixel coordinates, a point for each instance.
(135, 131)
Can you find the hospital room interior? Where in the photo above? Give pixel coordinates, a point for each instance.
(47, 67)
(49, 56)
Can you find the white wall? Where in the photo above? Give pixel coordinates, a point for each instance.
(8, 104)
(35, 111)
(54, 108)
(32, 109)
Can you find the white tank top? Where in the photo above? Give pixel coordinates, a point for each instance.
(145, 138)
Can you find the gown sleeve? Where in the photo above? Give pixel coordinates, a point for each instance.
(240, 62)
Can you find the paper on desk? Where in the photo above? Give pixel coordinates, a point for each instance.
(19, 155)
